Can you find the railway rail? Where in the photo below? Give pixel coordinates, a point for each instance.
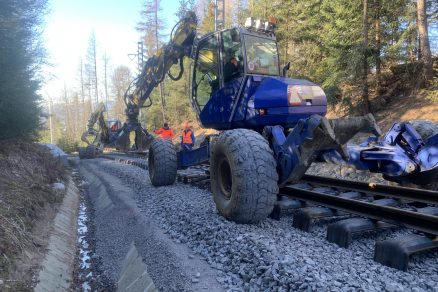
(351, 209)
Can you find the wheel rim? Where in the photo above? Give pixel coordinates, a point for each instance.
(225, 178)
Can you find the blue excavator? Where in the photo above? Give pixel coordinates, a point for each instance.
(271, 127)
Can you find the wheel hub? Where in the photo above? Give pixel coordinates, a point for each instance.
(225, 179)
(151, 165)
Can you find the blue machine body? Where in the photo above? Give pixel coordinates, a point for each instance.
(289, 113)
(263, 101)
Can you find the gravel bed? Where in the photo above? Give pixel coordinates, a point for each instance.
(271, 255)
(119, 224)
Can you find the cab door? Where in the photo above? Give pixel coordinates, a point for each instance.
(232, 73)
(205, 78)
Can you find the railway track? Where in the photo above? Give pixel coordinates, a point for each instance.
(350, 209)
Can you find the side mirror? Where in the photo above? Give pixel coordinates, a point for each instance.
(286, 68)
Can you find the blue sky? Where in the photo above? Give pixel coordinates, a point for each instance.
(68, 28)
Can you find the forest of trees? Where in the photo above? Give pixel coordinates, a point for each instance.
(363, 53)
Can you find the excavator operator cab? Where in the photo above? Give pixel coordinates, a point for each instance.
(114, 125)
(236, 81)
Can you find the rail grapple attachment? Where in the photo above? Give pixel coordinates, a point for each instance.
(296, 151)
(403, 155)
(142, 138)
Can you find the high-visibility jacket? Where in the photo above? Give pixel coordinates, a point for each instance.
(165, 133)
(187, 137)
(114, 128)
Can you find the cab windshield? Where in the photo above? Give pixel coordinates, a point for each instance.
(261, 56)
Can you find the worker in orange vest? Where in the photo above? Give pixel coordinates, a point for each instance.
(187, 137)
(165, 132)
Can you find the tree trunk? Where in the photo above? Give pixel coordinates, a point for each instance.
(105, 61)
(365, 95)
(426, 56)
(68, 123)
(377, 27)
(91, 108)
(84, 111)
(287, 37)
(163, 105)
(95, 73)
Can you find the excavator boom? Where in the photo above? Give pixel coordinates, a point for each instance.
(152, 74)
(157, 66)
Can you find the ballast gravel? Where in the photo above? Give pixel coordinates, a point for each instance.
(271, 255)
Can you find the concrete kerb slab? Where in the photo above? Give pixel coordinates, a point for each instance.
(133, 274)
(57, 268)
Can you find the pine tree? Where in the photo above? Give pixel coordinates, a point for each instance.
(152, 27)
(21, 57)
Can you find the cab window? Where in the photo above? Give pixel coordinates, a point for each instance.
(261, 56)
(206, 71)
(232, 59)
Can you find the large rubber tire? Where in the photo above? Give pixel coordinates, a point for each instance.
(162, 163)
(81, 153)
(425, 128)
(91, 152)
(88, 152)
(243, 176)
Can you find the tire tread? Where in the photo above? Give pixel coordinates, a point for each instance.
(255, 174)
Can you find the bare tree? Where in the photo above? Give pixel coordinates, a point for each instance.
(425, 55)
(121, 79)
(84, 107)
(91, 67)
(68, 114)
(105, 69)
(184, 7)
(151, 26)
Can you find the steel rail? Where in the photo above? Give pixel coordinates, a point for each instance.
(418, 195)
(415, 220)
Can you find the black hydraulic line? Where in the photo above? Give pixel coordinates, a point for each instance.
(418, 195)
(415, 220)
(181, 71)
